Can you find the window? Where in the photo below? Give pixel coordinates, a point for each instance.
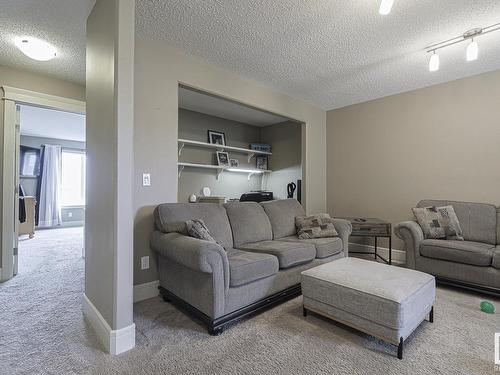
(73, 178)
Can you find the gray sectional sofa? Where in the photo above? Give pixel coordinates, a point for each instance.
(474, 263)
(255, 263)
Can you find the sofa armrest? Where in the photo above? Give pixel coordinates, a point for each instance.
(195, 254)
(412, 235)
(344, 229)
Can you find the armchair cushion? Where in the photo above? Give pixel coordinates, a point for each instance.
(245, 267)
(467, 252)
(496, 258)
(289, 254)
(325, 247)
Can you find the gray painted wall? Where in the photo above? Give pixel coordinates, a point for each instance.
(69, 215)
(109, 121)
(286, 160)
(194, 126)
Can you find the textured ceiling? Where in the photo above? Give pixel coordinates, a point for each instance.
(60, 22)
(329, 52)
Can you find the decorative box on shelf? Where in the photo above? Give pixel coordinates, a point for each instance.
(262, 147)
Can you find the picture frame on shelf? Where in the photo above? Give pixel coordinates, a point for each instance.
(261, 162)
(216, 138)
(234, 163)
(222, 159)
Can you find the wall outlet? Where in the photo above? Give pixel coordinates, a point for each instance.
(144, 263)
(146, 179)
(70, 214)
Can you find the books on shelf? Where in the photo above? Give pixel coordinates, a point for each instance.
(212, 199)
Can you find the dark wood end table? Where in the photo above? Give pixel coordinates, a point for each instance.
(372, 227)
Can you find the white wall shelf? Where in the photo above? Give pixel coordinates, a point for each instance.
(250, 153)
(219, 169)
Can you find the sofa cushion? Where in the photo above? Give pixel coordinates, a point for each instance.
(467, 252)
(325, 247)
(477, 220)
(282, 215)
(172, 217)
(249, 222)
(198, 229)
(289, 254)
(245, 266)
(496, 258)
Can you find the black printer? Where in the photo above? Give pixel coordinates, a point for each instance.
(257, 196)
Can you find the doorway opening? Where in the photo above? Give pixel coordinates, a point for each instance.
(51, 204)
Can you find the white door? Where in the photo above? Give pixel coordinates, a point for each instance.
(16, 189)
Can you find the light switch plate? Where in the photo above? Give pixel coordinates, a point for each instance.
(146, 179)
(145, 263)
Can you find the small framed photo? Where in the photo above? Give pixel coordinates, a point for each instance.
(222, 159)
(216, 138)
(261, 162)
(234, 163)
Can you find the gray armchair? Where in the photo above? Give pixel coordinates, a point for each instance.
(473, 263)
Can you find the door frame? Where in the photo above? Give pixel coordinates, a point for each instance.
(12, 97)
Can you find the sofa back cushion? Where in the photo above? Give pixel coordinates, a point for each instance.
(249, 222)
(172, 217)
(282, 215)
(477, 220)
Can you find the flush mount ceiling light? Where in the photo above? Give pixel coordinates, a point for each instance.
(385, 7)
(472, 51)
(36, 49)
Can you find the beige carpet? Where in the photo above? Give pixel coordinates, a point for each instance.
(42, 332)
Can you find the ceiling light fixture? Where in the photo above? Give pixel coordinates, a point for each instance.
(385, 7)
(36, 49)
(472, 51)
(434, 62)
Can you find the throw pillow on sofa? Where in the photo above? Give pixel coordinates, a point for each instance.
(315, 226)
(197, 228)
(439, 222)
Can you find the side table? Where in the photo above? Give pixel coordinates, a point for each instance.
(372, 227)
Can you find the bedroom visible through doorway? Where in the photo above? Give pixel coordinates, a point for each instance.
(52, 165)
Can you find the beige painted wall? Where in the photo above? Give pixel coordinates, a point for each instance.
(34, 82)
(109, 133)
(158, 71)
(439, 142)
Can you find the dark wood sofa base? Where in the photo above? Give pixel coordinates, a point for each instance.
(477, 288)
(217, 326)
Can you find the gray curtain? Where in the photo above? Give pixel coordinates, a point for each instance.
(50, 187)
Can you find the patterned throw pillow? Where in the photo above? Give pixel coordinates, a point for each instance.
(196, 228)
(439, 222)
(315, 226)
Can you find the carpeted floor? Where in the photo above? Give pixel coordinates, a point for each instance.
(42, 332)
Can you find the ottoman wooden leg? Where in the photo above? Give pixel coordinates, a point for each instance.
(304, 311)
(400, 348)
(431, 315)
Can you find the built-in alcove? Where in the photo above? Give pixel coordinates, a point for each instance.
(241, 125)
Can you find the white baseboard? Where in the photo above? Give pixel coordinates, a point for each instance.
(115, 341)
(398, 256)
(146, 291)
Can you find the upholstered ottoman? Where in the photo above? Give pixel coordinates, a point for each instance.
(384, 301)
